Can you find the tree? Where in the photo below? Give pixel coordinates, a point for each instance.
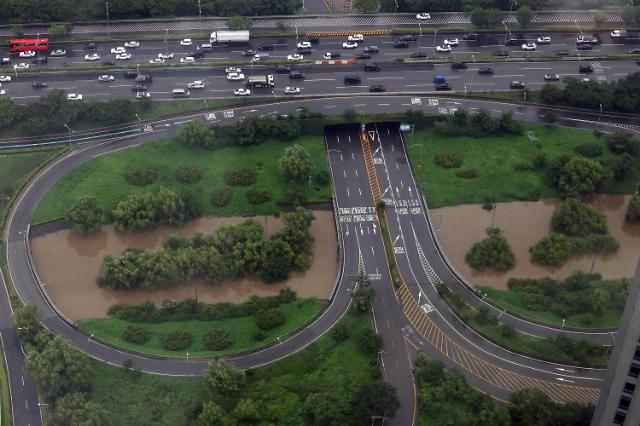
(59, 369)
(630, 14)
(494, 17)
(247, 411)
(580, 177)
(524, 14)
(75, 409)
(365, 6)
(428, 372)
(213, 415)
(479, 18)
(295, 165)
(196, 134)
(551, 250)
(633, 209)
(552, 94)
(374, 398)
(530, 407)
(59, 31)
(17, 30)
(222, 378)
(369, 341)
(325, 408)
(8, 111)
(362, 296)
(137, 211)
(26, 322)
(623, 143)
(85, 215)
(600, 19)
(493, 252)
(621, 166)
(239, 23)
(577, 219)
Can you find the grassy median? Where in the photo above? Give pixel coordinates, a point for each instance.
(5, 401)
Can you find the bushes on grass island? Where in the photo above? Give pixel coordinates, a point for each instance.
(243, 176)
(189, 174)
(579, 177)
(220, 197)
(493, 252)
(134, 333)
(217, 339)
(552, 250)
(196, 134)
(258, 196)
(467, 174)
(266, 319)
(633, 209)
(623, 143)
(589, 149)
(85, 215)
(448, 161)
(295, 164)
(478, 125)
(577, 219)
(176, 340)
(140, 176)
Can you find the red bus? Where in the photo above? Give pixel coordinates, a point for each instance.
(24, 44)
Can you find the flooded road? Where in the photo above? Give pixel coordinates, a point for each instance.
(524, 224)
(69, 263)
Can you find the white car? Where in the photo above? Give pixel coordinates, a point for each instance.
(118, 50)
(229, 70)
(242, 92)
(21, 66)
(74, 97)
(544, 40)
(443, 48)
(198, 84)
(92, 57)
(157, 61)
(235, 76)
(27, 54)
(188, 60)
(349, 45)
(132, 44)
(5, 78)
(123, 56)
(291, 90)
(2, 92)
(165, 55)
(106, 78)
(295, 57)
(355, 37)
(142, 95)
(304, 45)
(452, 42)
(529, 46)
(186, 42)
(58, 52)
(423, 16)
(616, 34)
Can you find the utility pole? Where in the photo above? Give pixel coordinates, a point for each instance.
(106, 5)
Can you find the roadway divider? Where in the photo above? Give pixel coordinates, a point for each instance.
(336, 62)
(346, 33)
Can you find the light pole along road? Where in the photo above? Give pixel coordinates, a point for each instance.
(357, 252)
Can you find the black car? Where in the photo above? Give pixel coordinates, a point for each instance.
(562, 52)
(265, 47)
(471, 36)
(5, 61)
(501, 53)
(197, 54)
(371, 49)
(363, 55)
(633, 52)
(443, 86)
(108, 62)
(39, 85)
(377, 88)
(91, 46)
(585, 68)
(130, 74)
(248, 52)
(371, 66)
(517, 84)
(40, 60)
(486, 70)
(408, 37)
(583, 46)
(401, 45)
(304, 50)
(296, 75)
(458, 66)
(140, 88)
(314, 40)
(283, 69)
(418, 55)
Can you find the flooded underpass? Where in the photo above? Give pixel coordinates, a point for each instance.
(69, 263)
(524, 224)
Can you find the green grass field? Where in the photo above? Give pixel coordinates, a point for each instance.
(512, 300)
(243, 328)
(494, 159)
(103, 177)
(5, 403)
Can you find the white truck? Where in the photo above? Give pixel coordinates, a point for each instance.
(261, 81)
(240, 36)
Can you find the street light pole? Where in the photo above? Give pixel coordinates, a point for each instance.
(275, 112)
(600, 116)
(70, 131)
(106, 5)
(435, 33)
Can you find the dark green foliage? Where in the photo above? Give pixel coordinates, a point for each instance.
(176, 340)
(217, 339)
(26, 323)
(196, 134)
(478, 125)
(600, 244)
(259, 336)
(258, 196)
(552, 250)
(484, 317)
(362, 297)
(621, 166)
(277, 259)
(623, 143)
(448, 161)
(580, 176)
(222, 378)
(221, 196)
(136, 334)
(577, 219)
(467, 174)
(340, 333)
(253, 130)
(75, 409)
(266, 319)
(240, 177)
(486, 17)
(295, 164)
(374, 398)
(368, 341)
(85, 215)
(533, 407)
(140, 176)
(492, 252)
(633, 209)
(522, 167)
(590, 150)
(189, 174)
(239, 23)
(428, 371)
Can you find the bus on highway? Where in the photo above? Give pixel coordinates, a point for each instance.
(25, 44)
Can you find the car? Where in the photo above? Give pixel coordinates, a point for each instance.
(132, 44)
(452, 42)
(471, 36)
(331, 55)
(105, 78)
(188, 60)
(229, 70)
(74, 97)
(458, 66)
(363, 55)
(377, 88)
(242, 92)
(408, 37)
(585, 68)
(27, 54)
(248, 52)
(92, 57)
(165, 55)
(39, 85)
(443, 86)
(139, 87)
(260, 57)
(304, 44)
(371, 49)
(371, 66)
(263, 47)
(401, 45)
(5, 61)
(205, 46)
(418, 55)
(423, 16)
(355, 37)
(562, 52)
(123, 56)
(517, 84)
(583, 46)
(118, 50)
(58, 52)
(91, 46)
(486, 70)
(618, 34)
(304, 50)
(283, 69)
(544, 40)
(314, 40)
(235, 76)
(445, 48)
(295, 57)
(291, 90)
(40, 60)
(633, 52)
(551, 77)
(529, 46)
(21, 66)
(157, 61)
(586, 79)
(186, 42)
(349, 45)
(5, 78)
(501, 53)
(130, 74)
(296, 75)
(142, 94)
(197, 84)
(196, 54)
(108, 62)
(3, 92)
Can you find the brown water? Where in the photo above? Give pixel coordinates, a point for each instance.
(524, 224)
(69, 264)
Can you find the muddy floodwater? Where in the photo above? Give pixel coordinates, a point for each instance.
(69, 264)
(524, 224)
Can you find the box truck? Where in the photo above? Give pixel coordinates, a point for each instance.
(241, 36)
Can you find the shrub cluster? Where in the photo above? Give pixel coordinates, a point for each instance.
(217, 339)
(623, 143)
(136, 334)
(176, 340)
(253, 130)
(448, 161)
(467, 174)
(258, 196)
(189, 174)
(480, 124)
(266, 319)
(589, 149)
(85, 215)
(240, 177)
(220, 197)
(140, 176)
(576, 176)
(633, 209)
(577, 219)
(493, 252)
